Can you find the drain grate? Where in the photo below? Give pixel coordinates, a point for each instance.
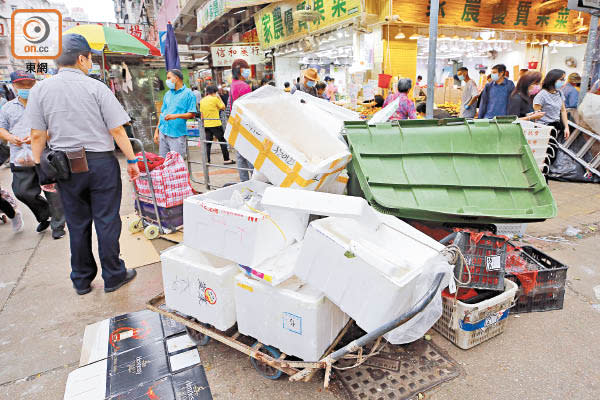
(397, 372)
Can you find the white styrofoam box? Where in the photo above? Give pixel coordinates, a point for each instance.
(200, 285)
(370, 274)
(296, 146)
(295, 318)
(277, 268)
(240, 235)
(336, 185)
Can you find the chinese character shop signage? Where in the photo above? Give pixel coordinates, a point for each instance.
(510, 15)
(276, 24)
(210, 11)
(223, 56)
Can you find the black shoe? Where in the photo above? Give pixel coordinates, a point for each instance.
(83, 291)
(229, 162)
(128, 277)
(43, 226)
(57, 234)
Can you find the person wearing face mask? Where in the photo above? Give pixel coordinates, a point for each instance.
(521, 99)
(16, 131)
(240, 71)
(309, 82)
(571, 90)
(551, 101)
(494, 97)
(468, 104)
(84, 120)
(179, 105)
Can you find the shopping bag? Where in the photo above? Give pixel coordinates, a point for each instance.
(171, 182)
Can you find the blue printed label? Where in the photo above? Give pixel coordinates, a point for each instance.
(484, 323)
(292, 323)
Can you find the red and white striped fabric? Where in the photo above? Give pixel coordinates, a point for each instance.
(171, 182)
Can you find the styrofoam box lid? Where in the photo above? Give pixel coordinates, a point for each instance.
(281, 266)
(315, 202)
(197, 258)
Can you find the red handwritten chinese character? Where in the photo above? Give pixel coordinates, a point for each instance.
(232, 52)
(221, 52)
(135, 30)
(118, 26)
(244, 51)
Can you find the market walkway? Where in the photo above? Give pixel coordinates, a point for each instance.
(540, 356)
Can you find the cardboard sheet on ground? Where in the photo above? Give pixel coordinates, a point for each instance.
(175, 237)
(136, 250)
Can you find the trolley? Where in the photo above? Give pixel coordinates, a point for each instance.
(201, 141)
(272, 364)
(153, 221)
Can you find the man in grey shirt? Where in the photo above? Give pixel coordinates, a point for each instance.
(15, 129)
(82, 113)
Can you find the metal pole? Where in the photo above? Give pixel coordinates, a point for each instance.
(589, 56)
(433, 30)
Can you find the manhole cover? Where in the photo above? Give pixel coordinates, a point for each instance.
(397, 372)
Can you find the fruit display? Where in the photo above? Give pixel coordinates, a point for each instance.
(452, 108)
(367, 109)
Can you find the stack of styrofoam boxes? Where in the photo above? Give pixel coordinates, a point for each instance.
(236, 264)
(373, 266)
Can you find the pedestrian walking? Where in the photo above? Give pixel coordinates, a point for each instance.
(8, 210)
(240, 70)
(468, 104)
(16, 130)
(494, 97)
(571, 90)
(310, 77)
(198, 95)
(521, 99)
(84, 120)
(179, 105)
(210, 106)
(406, 107)
(550, 100)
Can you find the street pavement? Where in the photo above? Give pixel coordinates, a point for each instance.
(551, 355)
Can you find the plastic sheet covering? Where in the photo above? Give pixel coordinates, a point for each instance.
(385, 113)
(589, 109)
(416, 327)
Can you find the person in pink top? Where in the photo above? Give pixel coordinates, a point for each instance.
(406, 107)
(331, 89)
(240, 70)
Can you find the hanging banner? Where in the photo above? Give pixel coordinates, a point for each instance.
(223, 56)
(168, 12)
(140, 31)
(510, 15)
(210, 11)
(276, 24)
(231, 4)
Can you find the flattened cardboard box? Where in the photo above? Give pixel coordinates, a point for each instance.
(125, 332)
(138, 355)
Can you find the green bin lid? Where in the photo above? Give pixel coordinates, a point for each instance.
(452, 170)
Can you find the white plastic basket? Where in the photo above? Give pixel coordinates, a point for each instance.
(538, 138)
(467, 325)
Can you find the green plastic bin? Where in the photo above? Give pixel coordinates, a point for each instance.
(452, 170)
